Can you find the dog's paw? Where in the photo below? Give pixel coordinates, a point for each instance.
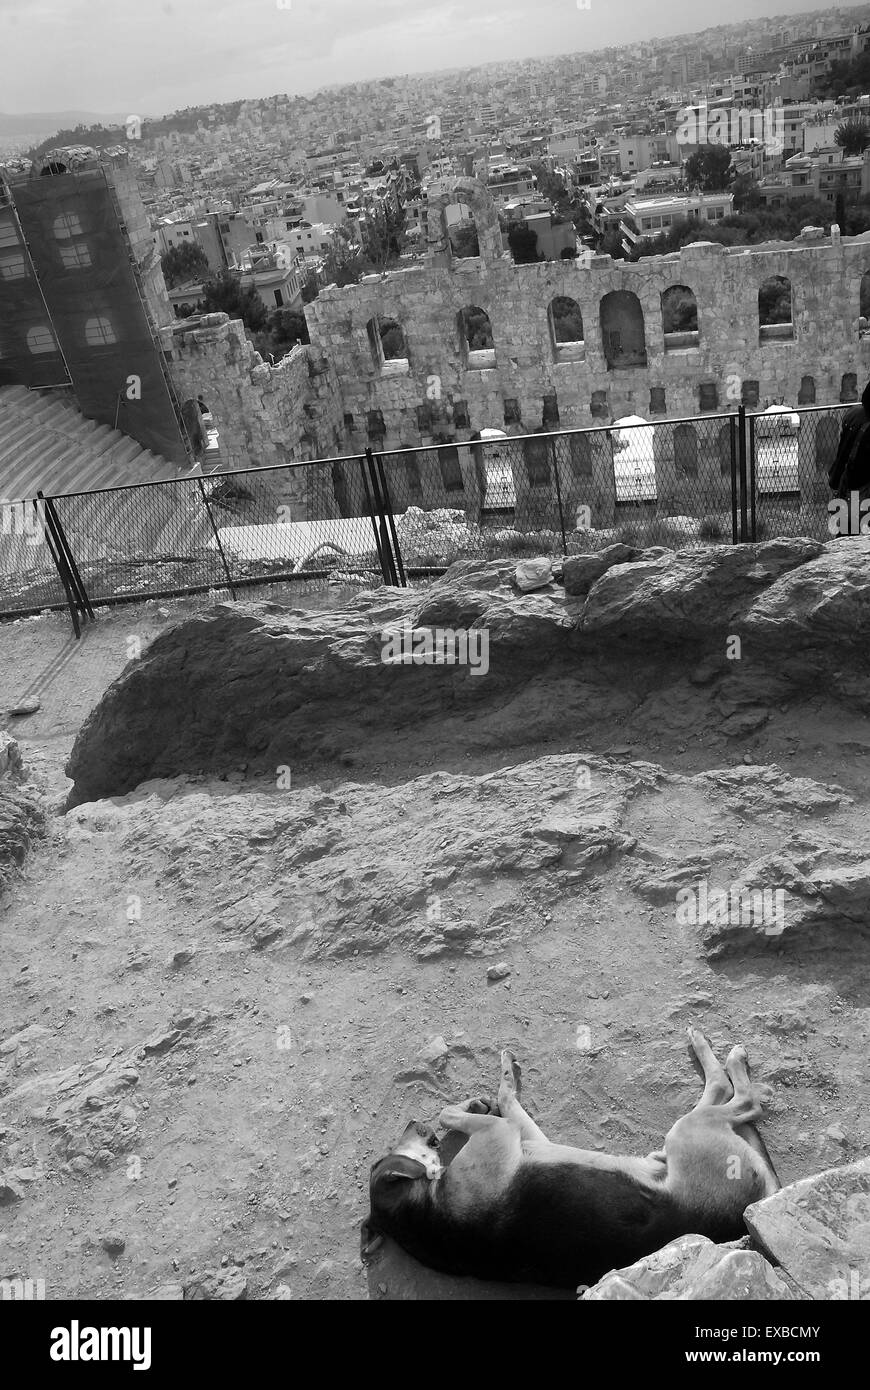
(511, 1073)
(481, 1106)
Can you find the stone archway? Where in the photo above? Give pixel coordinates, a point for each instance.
(622, 329)
(478, 199)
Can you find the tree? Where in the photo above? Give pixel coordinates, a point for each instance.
(478, 330)
(567, 320)
(611, 245)
(184, 264)
(550, 185)
(340, 267)
(523, 244)
(709, 168)
(224, 294)
(680, 311)
(383, 238)
(853, 136)
(286, 325)
(840, 211)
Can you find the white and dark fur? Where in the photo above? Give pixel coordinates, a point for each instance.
(513, 1206)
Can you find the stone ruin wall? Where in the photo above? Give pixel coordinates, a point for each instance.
(334, 398)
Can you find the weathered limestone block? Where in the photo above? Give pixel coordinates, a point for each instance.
(692, 1268)
(579, 572)
(818, 1230)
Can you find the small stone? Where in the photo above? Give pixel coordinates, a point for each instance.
(435, 1050)
(305, 998)
(24, 708)
(113, 1242)
(533, 574)
(498, 972)
(162, 1042)
(184, 956)
(10, 1190)
(836, 1133)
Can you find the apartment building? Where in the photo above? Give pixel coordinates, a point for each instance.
(825, 174)
(649, 217)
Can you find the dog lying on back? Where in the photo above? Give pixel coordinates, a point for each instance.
(514, 1207)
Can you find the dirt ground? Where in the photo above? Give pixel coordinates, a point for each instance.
(268, 1078)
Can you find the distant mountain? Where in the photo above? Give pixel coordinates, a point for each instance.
(47, 122)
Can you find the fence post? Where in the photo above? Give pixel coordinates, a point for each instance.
(59, 549)
(363, 464)
(217, 539)
(751, 475)
(741, 466)
(559, 493)
(391, 522)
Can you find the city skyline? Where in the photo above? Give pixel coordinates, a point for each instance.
(166, 56)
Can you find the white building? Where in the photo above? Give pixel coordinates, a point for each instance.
(650, 217)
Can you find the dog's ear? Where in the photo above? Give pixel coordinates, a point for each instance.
(396, 1167)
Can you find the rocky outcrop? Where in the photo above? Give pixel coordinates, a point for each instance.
(21, 814)
(579, 572)
(694, 1268)
(818, 1231)
(245, 683)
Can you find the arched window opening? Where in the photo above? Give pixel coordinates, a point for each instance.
(622, 329)
(775, 309)
(566, 329)
(679, 318)
(475, 333)
(461, 231)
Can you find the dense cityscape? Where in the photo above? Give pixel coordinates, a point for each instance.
(753, 130)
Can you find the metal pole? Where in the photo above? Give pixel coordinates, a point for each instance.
(741, 459)
(60, 564)
(363, 463)
(230, 585)
(733, 444)
(388, 510)
(559, 495)
(751, 476)
(392, 577)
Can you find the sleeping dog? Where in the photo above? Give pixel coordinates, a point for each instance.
(512, 1206)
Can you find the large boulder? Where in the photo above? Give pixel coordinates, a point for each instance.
(818, 1231)
(579, 572)
(10, 756)
(242, 683)
(688, 594)
(21, 814)
(693, 1268)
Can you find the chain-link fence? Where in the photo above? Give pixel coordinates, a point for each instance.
(344, 521)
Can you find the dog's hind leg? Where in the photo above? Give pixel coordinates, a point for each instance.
(717, 1087)
(749, 1101)
(508, 1100)
(466, 1121)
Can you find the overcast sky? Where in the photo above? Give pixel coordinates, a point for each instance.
(153, 56)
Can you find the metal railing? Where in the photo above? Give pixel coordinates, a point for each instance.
(405, 515)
